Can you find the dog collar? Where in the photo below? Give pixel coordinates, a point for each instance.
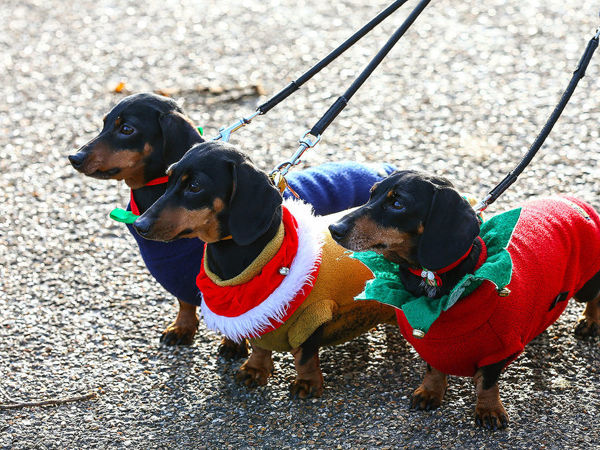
(124, 216)
(431, 277)
(248, 308)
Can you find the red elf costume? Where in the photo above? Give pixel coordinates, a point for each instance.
(533, 260)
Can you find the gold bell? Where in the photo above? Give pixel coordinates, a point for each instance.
(504, 292)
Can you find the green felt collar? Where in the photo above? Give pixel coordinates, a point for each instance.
(421, 312)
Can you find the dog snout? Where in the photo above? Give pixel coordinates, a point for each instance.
(77, 160)
(339, 231)
(142, 226)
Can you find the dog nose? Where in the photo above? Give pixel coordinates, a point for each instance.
(77, 160)
(338, 231)
(142, 226)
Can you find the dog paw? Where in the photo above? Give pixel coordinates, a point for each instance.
(492, 418)
(587, 328)
(306, 388)
(178, 334)
(252, 376)
(426, 399)
(229, 349)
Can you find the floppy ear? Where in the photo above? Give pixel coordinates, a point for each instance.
(450, 229)
(254, 201)
(179, 134)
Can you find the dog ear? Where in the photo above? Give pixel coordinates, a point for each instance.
(449, 230)
(253, 203)
(179, 134)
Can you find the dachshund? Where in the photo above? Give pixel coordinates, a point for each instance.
(271, 272)
(142, 136)
(470, 297)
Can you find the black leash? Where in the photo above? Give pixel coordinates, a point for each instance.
(225, 132)
(341, 102)
(578, 74)
(278, 174)
(295, 85)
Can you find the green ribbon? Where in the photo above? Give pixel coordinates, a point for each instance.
(123, 216)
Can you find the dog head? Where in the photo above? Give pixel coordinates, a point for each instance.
(411, 217)
(142, 135)
(214, 191)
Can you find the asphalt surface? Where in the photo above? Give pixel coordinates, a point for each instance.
(463, 94)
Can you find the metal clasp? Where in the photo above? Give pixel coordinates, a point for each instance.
(305, 143)
(225, 132)
(482, 205)
(278, 174)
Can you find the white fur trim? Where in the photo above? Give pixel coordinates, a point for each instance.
(308, 257)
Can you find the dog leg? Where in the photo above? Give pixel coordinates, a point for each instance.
(489, 411)
(257, 369)
(309, 378)
(430, 394)
(229, 349)
(589, 324)
(183, 329)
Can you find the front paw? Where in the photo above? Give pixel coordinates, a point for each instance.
(307, 388)
(229, 349)
(426, 399)
(587, 328)
(253, 376)
(491, 417)
(179, 333)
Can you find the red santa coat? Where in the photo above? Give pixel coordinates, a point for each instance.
(555, 250)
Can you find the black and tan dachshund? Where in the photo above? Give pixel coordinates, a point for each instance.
(142, 136)
(432, 235)
(215, 193)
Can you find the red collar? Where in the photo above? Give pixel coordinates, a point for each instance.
(133, 204)
(262, 304)
(432, 277)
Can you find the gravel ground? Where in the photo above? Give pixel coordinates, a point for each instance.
(463, 94)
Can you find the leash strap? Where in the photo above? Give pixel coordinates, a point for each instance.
(313, 136)
(295, 85)
(225, 132)
(341, 102)
(578, 74)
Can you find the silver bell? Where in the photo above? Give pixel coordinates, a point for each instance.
(418, 333)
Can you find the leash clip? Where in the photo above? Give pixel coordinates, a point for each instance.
(304, 140)
(278, 174)
(482, 205)
(225, 132)
(305, 144)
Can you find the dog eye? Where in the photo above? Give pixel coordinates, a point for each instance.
(194, 187)
(398, 205)
(126, 129)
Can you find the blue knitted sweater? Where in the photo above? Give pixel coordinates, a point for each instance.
(329, 188)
